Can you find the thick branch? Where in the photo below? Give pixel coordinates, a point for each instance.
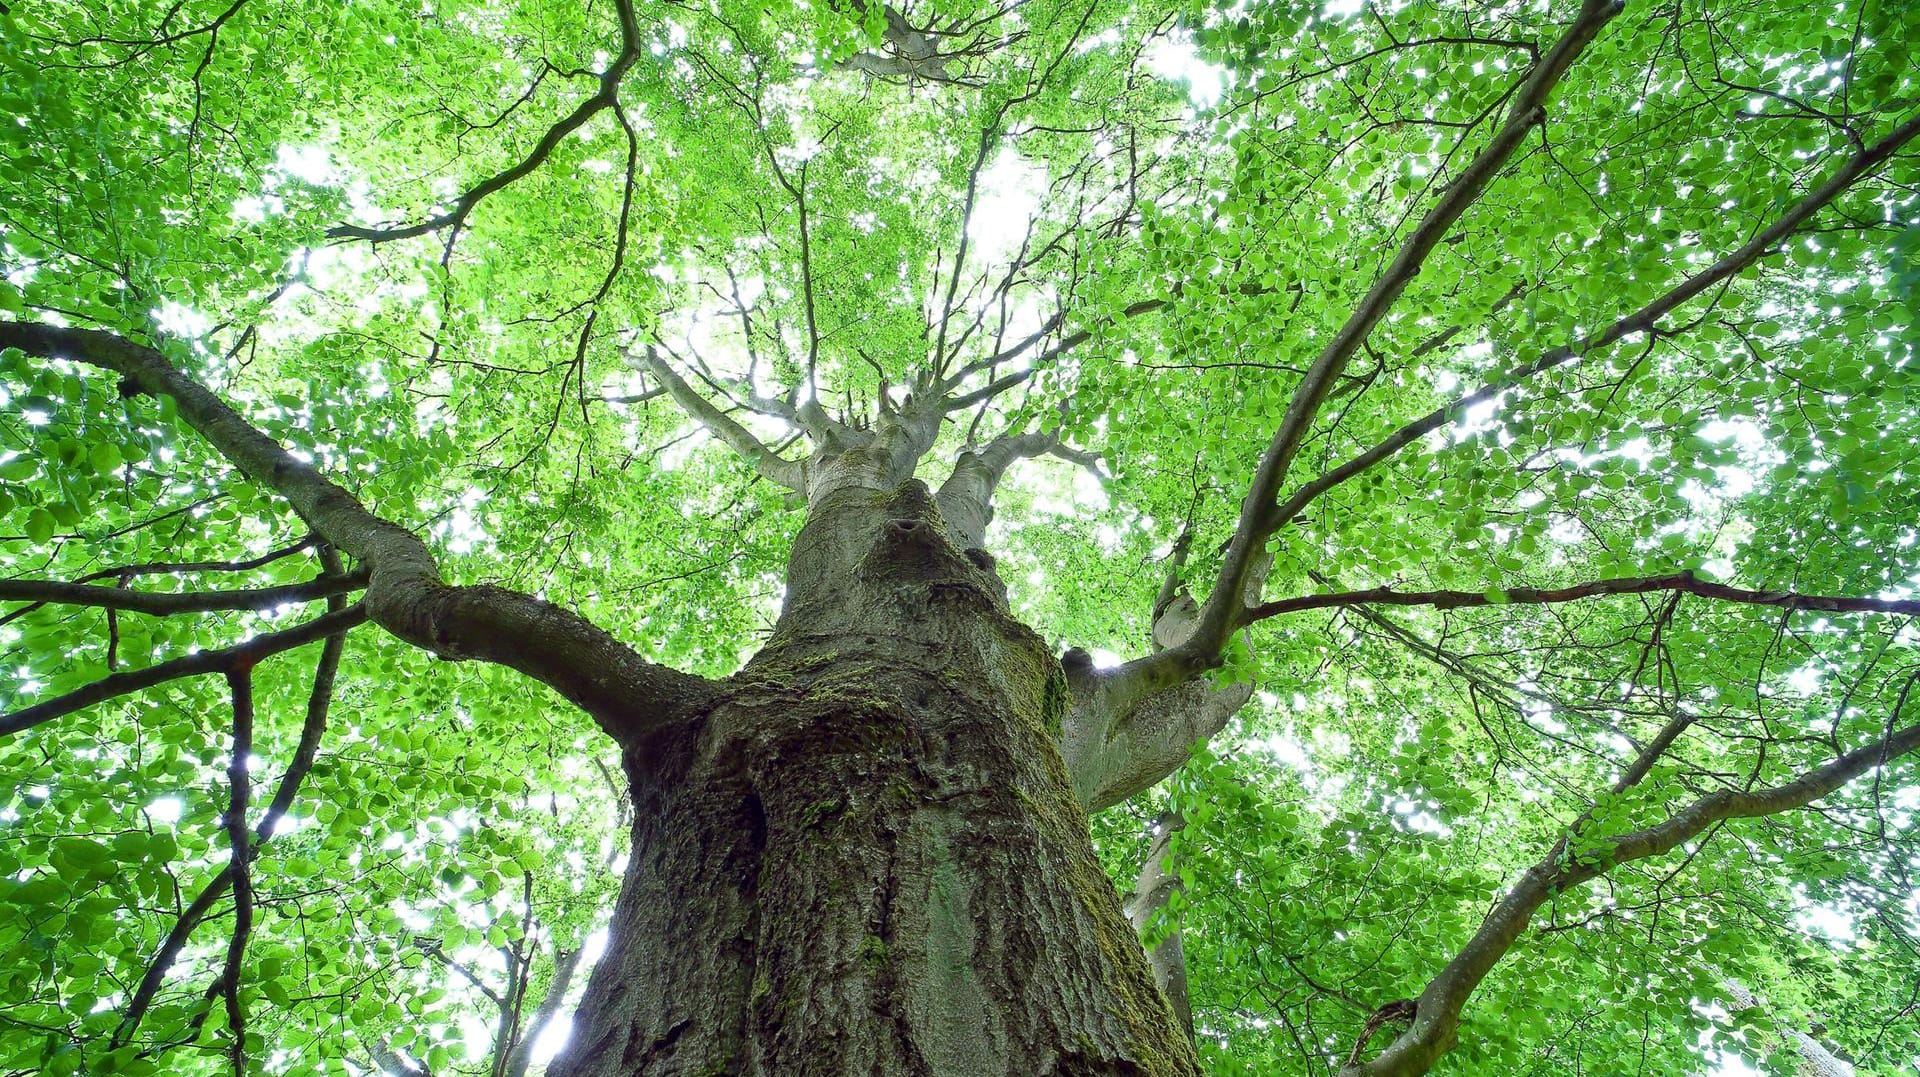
(1438, 1013)
(913, 53)
(1122, 737)
(1685, 582)
(258, 600)
(770, 465)
(1816, 1060)
(1153, 737)
(405, 593)
(1644, 320)
(1157, 882)
(966, 498)
(1256, 511)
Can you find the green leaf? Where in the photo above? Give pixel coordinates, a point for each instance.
(40, 526)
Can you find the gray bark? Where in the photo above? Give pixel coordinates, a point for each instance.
(1815, 1058)
(565, 963)
(1158, 881)
(406, 594)
(1124, 733)
(866, 856)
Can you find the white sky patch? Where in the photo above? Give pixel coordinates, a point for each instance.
(1177, 60)
(461, 529)
(475, 1037)
(1830, 922)
(553, 1037)
(309, 164)
(1287, 751)
(1010, 192)
(178, 320)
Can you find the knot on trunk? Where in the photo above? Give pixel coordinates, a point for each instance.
(912, 499)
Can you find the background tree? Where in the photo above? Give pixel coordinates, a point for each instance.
(1456, 461)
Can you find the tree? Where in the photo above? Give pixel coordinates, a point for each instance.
(1422, 495)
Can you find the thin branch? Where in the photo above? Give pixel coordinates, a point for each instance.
(1684, 582)
(319, 701)
(240, 681)
(159, 604)
(1039, 362)
(606, 97)
(224, 660)
(406, 595)
(431, 947)
(1644, 320)
(1256, 512)
(565, 964)
(1438, 1010)
(153, 568)
(768, 464)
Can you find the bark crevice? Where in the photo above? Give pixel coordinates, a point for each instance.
(917, 894)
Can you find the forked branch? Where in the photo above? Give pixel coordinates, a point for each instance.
(319, 702)
(966, 497)
(405, 593)
(224, 660)
(768, 464)
(1681, 582)
(1257, 519)
(1437, 1013)
(1644, 320)
(605, 97)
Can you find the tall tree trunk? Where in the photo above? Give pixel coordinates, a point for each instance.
(866, 856)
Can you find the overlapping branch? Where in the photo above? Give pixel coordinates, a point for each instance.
(225, 660)
(126, 573)
(1680, 582)
(1257, 518)
(1437, 1011)
(405, 592)
(319, 702)
(605, 97)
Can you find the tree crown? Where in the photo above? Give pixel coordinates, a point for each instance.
(1521, 399)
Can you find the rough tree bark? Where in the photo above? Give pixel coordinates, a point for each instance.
(864, 854)
(864, 851)
(868, 852)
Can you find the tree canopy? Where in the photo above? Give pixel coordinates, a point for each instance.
(1514, 405)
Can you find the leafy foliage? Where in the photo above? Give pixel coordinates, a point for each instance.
(1133, 225)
